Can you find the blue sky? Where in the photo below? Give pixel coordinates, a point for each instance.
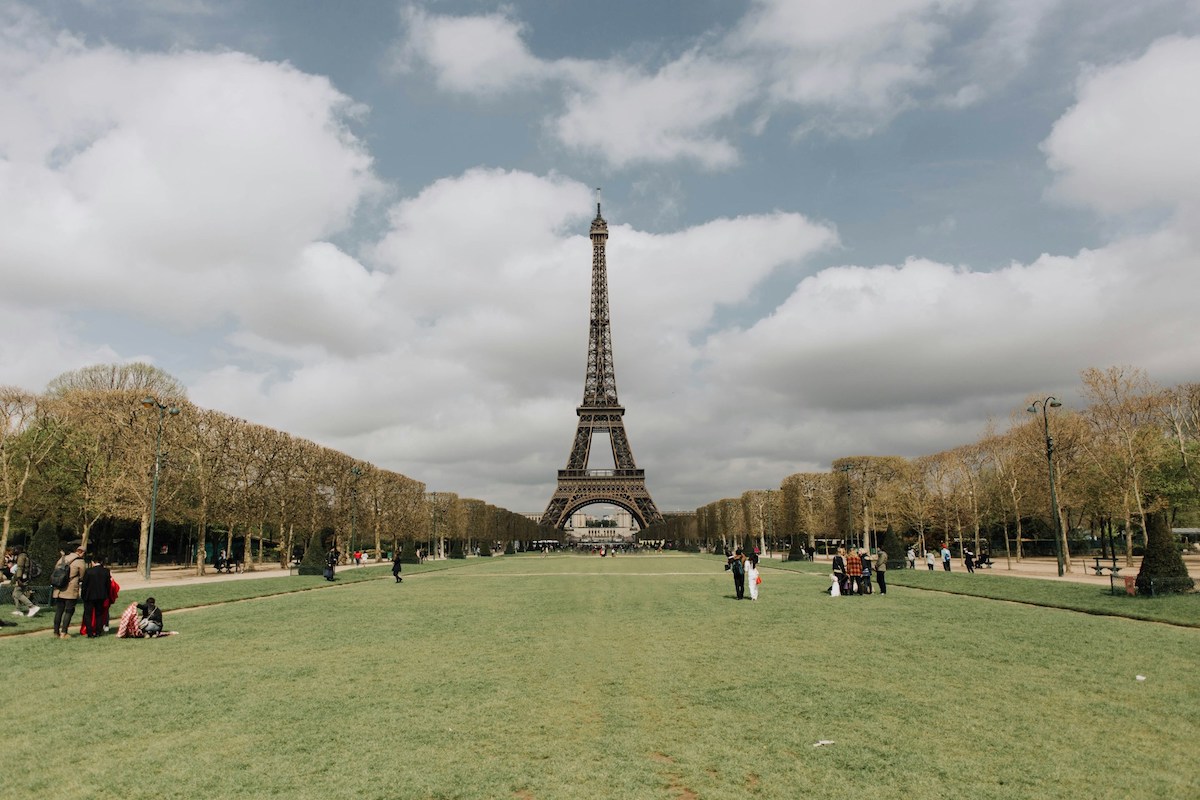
(837, 228)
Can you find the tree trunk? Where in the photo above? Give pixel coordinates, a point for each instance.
(143, 536)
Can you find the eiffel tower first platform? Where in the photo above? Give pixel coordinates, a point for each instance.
(600, 412)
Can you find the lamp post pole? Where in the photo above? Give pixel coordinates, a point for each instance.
(355, 471)
(1048, 403)
(849, 509)
(770, 532)
(163, 410)
(433, 513)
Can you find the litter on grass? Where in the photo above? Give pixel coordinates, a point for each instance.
(823, 742)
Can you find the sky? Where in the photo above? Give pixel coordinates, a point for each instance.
(836, 227)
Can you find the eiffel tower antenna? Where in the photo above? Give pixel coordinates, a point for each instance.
(600, 412)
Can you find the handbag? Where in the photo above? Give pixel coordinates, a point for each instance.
(758, 580)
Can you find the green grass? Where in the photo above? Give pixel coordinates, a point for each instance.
(1178, 609)
(574, 677)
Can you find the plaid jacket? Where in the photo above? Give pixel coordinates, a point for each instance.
(853, 565)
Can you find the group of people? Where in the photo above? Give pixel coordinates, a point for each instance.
(970, 560)
(745, 571)
(852, 572)
(82, 578)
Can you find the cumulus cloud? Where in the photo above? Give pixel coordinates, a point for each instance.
(177, 186)
(1129, 142)
(842, 66)
(476, 55)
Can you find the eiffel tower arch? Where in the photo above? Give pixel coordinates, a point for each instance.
(624, 485)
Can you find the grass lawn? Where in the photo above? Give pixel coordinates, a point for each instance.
(636, 677)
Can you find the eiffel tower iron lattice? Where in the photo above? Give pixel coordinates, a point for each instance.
(600, 412)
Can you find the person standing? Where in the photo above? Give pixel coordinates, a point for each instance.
(969, 560)
(912, 558)
(839, 569)
(864, 586)
(945, 557)
(752, 576)
(396, 568)
(929, 559)
(737, 563)
(881, 558)
(66, 598)
(853, 573)
(20, 584)
(331, 560)
(94, 588)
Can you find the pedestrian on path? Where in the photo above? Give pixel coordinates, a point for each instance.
(929, 559)
(21, 576)
(945, 557)
(396, 568)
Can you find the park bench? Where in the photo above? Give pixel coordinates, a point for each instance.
(984, 562)
(1110, 565)
(227, 565)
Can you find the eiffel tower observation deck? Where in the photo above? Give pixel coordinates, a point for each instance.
(600, 413)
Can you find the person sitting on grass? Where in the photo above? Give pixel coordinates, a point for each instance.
(151, 623)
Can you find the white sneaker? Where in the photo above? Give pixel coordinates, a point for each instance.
(34, 609)
(18, 613)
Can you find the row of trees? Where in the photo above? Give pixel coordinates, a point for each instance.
(1131, 453)
(84, 453)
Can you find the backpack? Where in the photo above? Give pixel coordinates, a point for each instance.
(60, 576)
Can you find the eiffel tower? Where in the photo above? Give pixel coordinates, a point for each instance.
(600, 411)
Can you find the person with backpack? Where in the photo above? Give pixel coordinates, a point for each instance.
(23, 571)
(65, 580)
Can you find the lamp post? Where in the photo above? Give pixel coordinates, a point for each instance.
(849, 509)
(163, 410)
(433, 513)
(1046, 404)
(356, 471)
(769, 536)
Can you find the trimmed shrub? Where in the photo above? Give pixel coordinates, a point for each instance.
(313, 562)
(1163, 571)
(510, 549)
(456, 549)
(894, 548)
(797, 552)
(408, 552)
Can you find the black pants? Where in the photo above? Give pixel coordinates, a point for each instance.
(881, 579)
(739, 584)
(946, 566)
(93, 617)
(64, 609)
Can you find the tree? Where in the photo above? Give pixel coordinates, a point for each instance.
(28, 436)
(1162, 570)
(1127, 441)
(891, 544)
(313, 562)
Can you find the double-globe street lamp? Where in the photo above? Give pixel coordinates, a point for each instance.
(1045, 405)
(163, 410)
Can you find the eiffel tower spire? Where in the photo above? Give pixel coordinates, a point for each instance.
(600, 412)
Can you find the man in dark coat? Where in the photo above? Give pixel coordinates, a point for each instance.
(94, 590)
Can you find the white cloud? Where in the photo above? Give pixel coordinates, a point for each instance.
(176, 186)
(477, 55)
(1130, 140)
(845, 65)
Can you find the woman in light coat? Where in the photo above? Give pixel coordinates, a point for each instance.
(66, 598)
(752, 575)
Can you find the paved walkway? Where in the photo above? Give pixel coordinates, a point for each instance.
(1047, 568)
(128, 578)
